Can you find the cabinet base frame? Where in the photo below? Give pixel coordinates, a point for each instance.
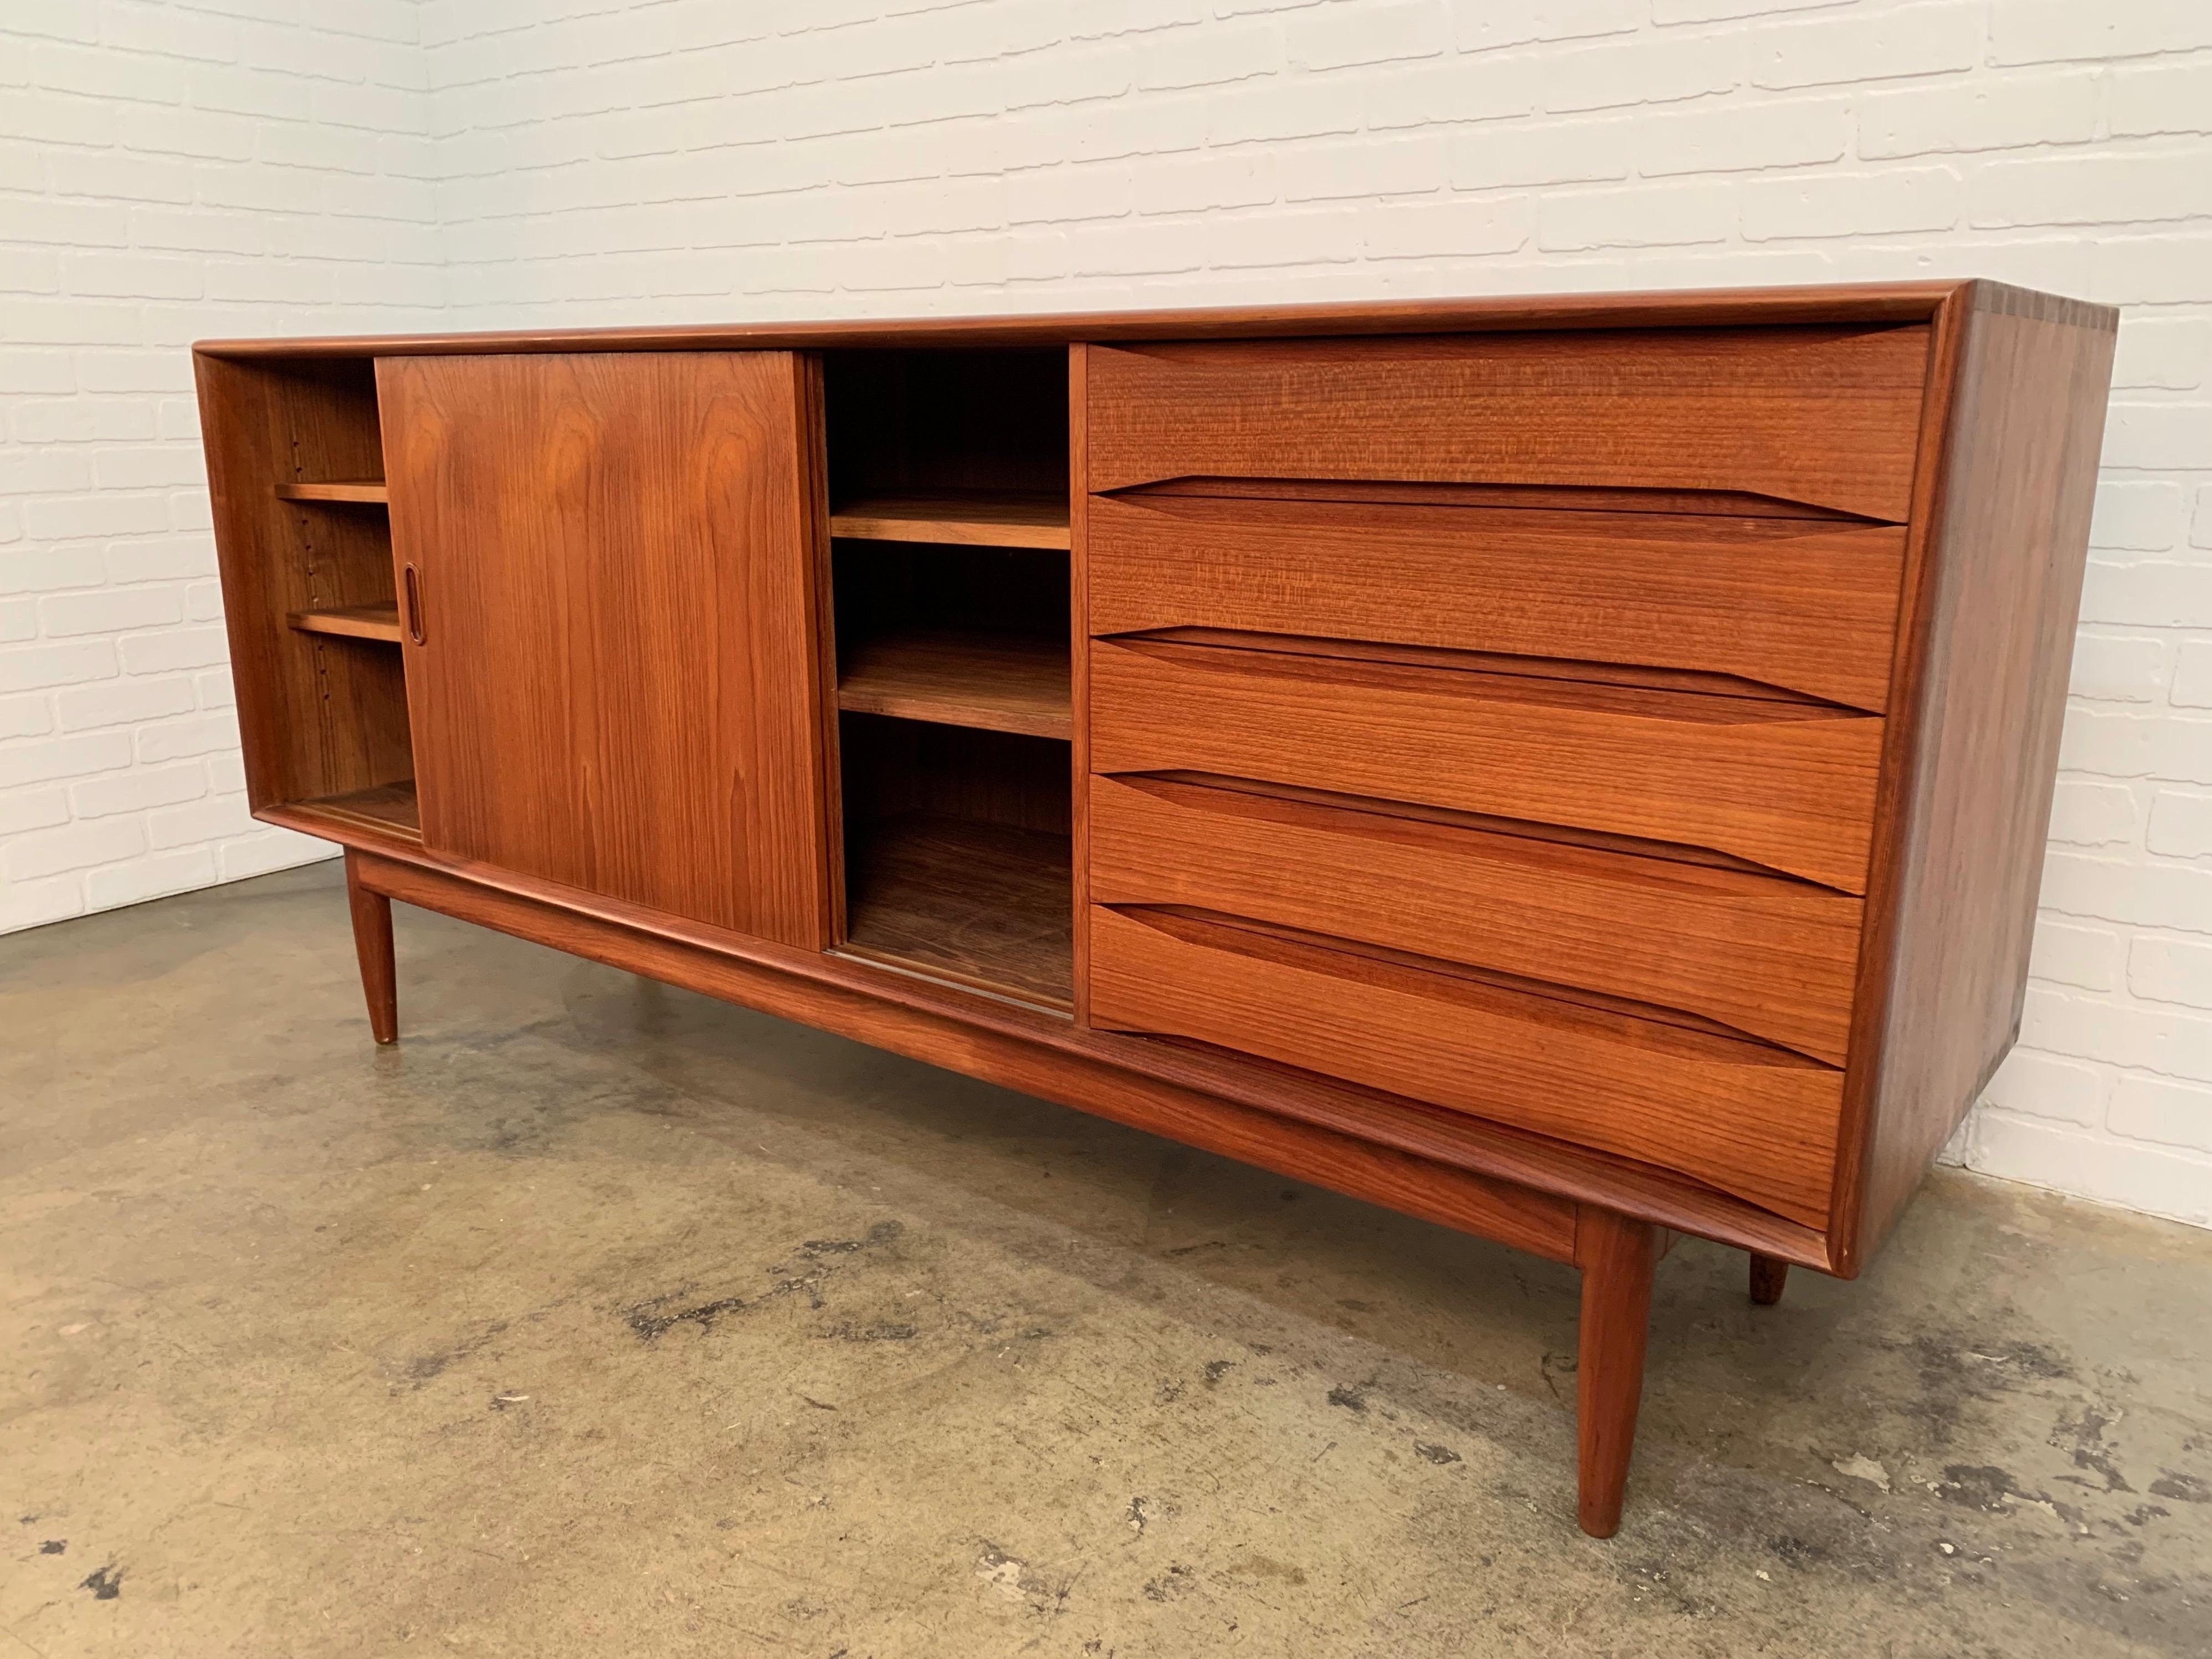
(1042, 1052)
(1615, 1251)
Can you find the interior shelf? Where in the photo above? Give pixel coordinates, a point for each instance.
(352, 621)
(983, 904)
(364, 493)
(388, 807)
(950, 588)
(975, 519)
(992, 682)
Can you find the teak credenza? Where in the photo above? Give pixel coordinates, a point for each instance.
(1574, 769)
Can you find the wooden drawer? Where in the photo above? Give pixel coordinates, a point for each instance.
(1769, 957)
(1825, 415)
(1788, 786)
(1806, 603)
(1752, 1120)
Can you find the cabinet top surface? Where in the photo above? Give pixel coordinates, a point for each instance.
(1872, 303)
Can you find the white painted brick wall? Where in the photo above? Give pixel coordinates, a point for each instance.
(165, 173)
(596, 162)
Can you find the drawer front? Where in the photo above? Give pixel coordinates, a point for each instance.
(1751, 1119)
(1768, 957)
(1804, 603)
(1825, 415)
(1789, 787)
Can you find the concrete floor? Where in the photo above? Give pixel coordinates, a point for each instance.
(597, 1318)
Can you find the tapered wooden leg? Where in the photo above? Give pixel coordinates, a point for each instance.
(372, 943)
(1768, 1275)
(1616, 1255)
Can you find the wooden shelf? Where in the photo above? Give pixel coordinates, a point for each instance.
(980, 904)
(352, 621)
(389, 808)
(368, 492)
(996, 682)
(967, 520)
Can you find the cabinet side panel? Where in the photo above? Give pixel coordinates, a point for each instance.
(2000, 604)
(274, 686)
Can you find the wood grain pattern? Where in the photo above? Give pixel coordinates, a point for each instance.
(980, 905)
(1814, 303)
(1542, 498)
(1827, 415)
(1787, 786)
(386, 812)
(366, 493)
(1996, 588)
(1806, 603)
(1754, 1120)
(970, 520)
(315, 718)
(1574, 671)
(372, 945)
(992, 682)
(1026, 1049)
(353, 622)
(617, 689)
(1772, 958)
(1617, 1256)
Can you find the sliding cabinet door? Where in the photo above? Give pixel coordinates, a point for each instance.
(608, 568)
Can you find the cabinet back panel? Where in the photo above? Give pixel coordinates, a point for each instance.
(891, 588)
(906, 422)
(896, 767)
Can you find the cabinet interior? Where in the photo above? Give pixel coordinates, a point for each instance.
(947, 476)
(304, 464)
(949, 522)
